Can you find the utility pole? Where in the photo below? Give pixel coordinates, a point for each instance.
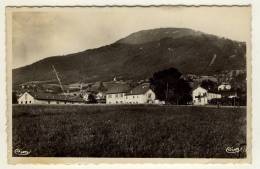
(234, 101)
(167, 90)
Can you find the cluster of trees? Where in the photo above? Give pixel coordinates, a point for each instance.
(169, 86)
(14, 98)
(209, 85)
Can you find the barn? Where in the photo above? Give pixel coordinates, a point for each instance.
(48, 98)
(116, 94)
(140, 95)
(123, 94)
(201, 96)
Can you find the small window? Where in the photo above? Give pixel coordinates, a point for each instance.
(121, 102)
(57, 102)
(116, 102)
(25, 102)
(133, 96)
(116, 95)
(21, 102)
(49, 102)
(30, 101)
(122, 94)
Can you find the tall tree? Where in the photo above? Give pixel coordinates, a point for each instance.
(91, 98)
(209, 85)
(14, 98)
(169, 86)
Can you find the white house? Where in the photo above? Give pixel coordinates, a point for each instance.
(201, 96)
(125, 95)
(116, 94)
(140, 95)
(224, 86)
(100, 95)
(26, 98)
(47, 98)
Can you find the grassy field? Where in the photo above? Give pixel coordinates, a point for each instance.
(129, 131)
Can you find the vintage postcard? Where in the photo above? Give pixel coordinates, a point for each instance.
(122, 84)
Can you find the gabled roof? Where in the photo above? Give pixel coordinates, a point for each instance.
(118, 88)
(140, 89)
(56, 97)
(200, 88)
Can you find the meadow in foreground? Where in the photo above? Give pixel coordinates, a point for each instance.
(128, 131)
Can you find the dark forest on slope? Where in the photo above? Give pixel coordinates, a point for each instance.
(139, 55)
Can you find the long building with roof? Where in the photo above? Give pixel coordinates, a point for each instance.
(124, 94)
(48, 98)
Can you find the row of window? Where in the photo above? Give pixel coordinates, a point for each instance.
(29, 102)
(121, 102)
(132, 102)
(121, 95)
(132, 96)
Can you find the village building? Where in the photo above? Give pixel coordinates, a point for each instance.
(140, 95)
(123, 94)
(101, 97)
(48, 98)
(96, 91)
(116, 94)
(201, 96)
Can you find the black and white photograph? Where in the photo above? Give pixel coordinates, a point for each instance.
(171, 82)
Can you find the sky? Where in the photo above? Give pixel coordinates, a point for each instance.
(37, 33)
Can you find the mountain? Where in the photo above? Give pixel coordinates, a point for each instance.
(139, 55)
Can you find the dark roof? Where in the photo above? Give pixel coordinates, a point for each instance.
(92, 89)
(140, 89)
(118, 88)
(58, 97)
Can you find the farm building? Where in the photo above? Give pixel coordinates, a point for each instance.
(140, 95)
(47, 98)
(116, 94)
(201, 96)
(101, 97)
(123, 94)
